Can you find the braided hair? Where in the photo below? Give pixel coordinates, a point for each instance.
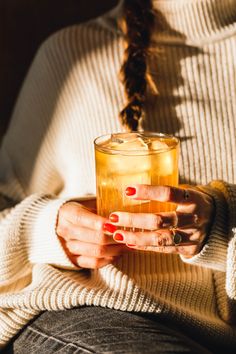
(139, 21)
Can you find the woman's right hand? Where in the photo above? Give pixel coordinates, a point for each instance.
(83, 236)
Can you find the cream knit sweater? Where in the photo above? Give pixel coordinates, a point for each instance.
(71, 95)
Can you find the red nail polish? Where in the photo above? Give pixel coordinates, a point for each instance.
(114, 218)
(130, 191)
(109, 227)
(118, 237)
(130, 245)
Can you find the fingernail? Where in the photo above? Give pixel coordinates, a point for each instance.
(109, 227)
(118, 237)
(114, 218)
(127, 244)
(130, 191)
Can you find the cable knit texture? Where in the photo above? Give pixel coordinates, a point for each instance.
(71, 95)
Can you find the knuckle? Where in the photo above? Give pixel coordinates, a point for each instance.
(198, 235)
(100, 238)
(168, 240)
(196, 219)
(143, 248)
(127, 219)
(182, 251)
(78, 217)
(98, 224)
(99, 251)
(130, 220)
(64, 208)
(161, 249)
(156, 239)
(62, 230)
(169, 250)
(67, 208)
(156, 220)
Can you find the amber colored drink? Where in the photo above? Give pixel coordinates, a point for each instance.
(125, 159)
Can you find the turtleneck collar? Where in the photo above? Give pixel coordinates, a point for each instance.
(196, 19)
(191, 20)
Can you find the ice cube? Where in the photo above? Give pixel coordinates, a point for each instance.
(129, 142)
(157, 145)
(132, 142)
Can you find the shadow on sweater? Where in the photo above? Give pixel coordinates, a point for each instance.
(169, 50)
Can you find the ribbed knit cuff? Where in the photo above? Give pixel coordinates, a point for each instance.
(38, 230)
(214, 252)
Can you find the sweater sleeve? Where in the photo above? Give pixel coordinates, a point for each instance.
(31, 185)
(29, 178)
(28, 236)
(219, 251)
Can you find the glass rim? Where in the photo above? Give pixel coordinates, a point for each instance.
(140, 151)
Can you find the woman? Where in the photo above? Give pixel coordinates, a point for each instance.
(56, 253)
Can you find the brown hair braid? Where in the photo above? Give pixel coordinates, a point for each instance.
(139, 21)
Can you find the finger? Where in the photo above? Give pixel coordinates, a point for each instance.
(163, 194)
(92, 250)
(70, 231)
(188, 250)
(178, 219)
(91, 262)
(161, 249)
(136, 220)
(78, 215)
(159, 238)
(150, 221)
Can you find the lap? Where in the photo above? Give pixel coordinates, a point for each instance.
(100, 330)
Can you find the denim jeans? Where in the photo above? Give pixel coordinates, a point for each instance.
(100, 330)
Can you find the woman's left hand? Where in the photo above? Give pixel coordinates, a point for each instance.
(182, 231)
